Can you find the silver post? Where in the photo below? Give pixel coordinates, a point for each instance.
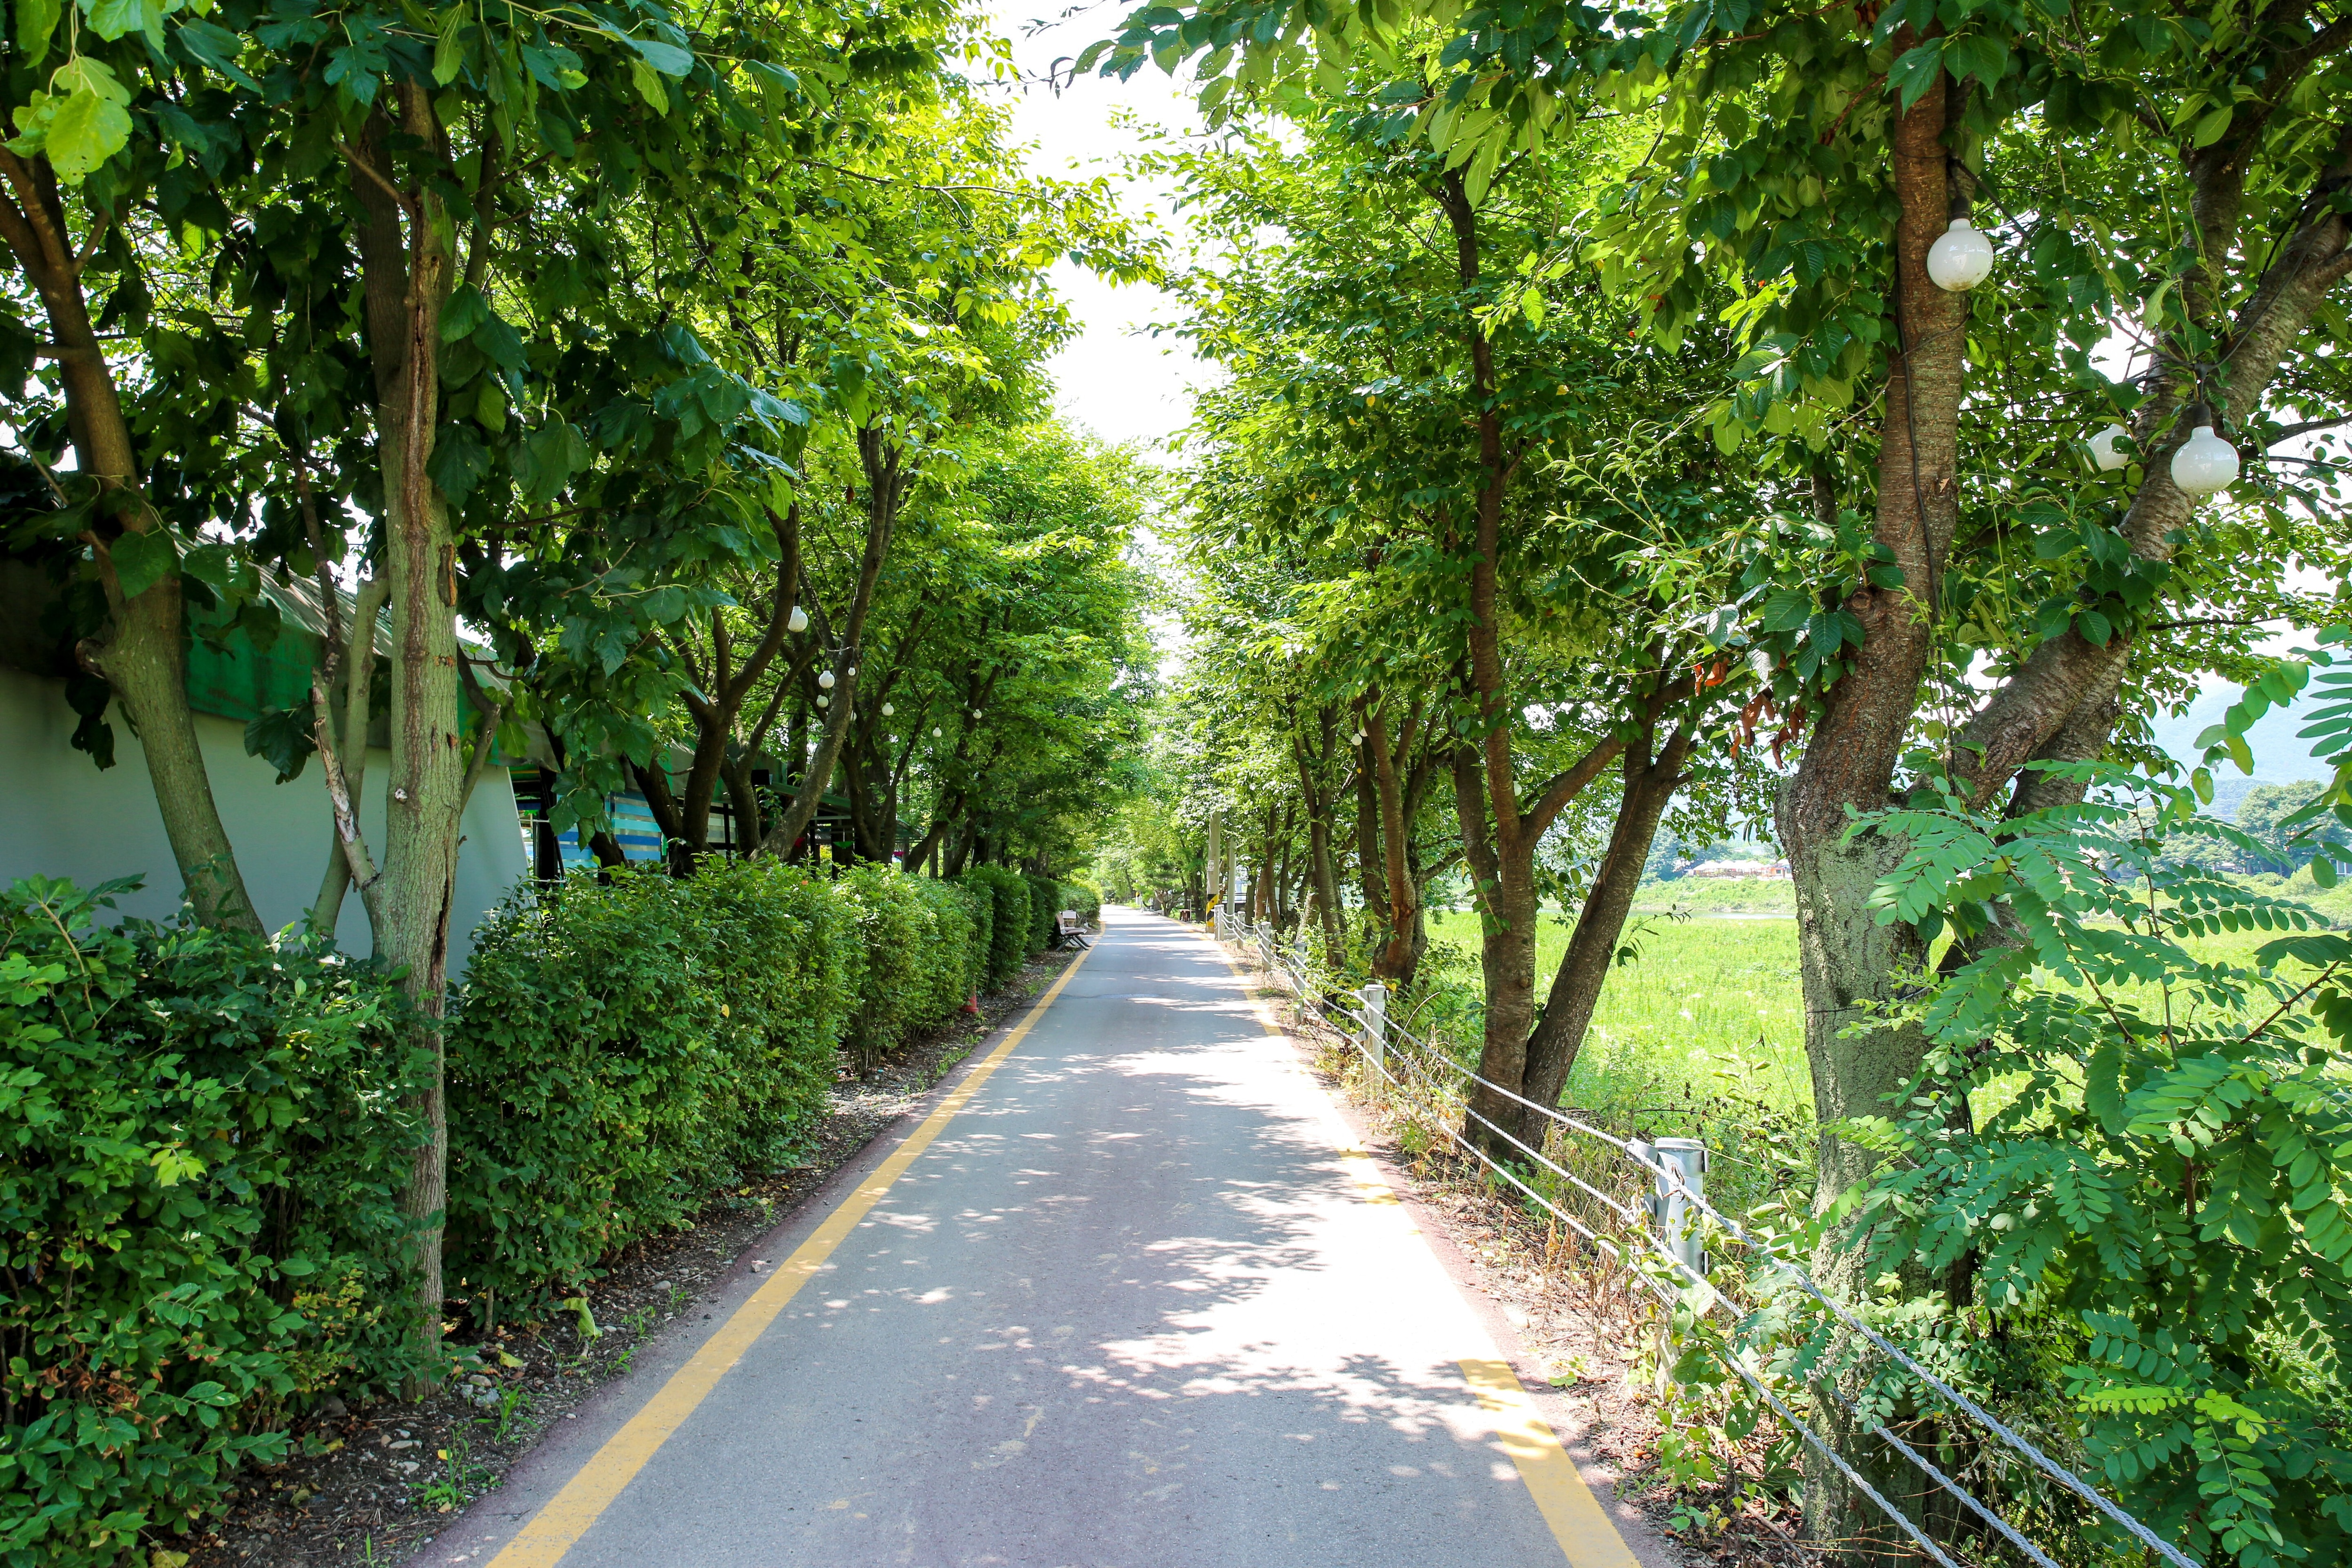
(1376, 1022)
(1682, 1176)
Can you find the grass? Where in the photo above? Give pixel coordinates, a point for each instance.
(1712, 1006)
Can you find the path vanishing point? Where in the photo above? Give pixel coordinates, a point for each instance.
(1129, 1296)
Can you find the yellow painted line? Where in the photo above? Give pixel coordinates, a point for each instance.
(542, 1542)
(1579, 1523)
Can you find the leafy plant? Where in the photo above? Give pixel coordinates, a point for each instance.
(203, 1141)
(2142, 1151)
(624, 1051)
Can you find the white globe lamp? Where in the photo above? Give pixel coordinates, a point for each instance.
(798, 622)
(1960, 258)
(825, 702)
(2103, 448)
(888, 710)
(2204, 465)
(936, 732)
(824, 680)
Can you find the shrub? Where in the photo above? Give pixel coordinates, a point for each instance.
(1008, 930)
(625, 1049)
(207, 1139)
(896, 931)
(2149, 1182)
(1084, 900)
(1044, 905)
(957, 957)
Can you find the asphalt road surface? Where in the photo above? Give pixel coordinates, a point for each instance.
(1127, 1299)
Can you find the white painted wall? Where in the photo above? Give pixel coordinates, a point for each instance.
(62, 816)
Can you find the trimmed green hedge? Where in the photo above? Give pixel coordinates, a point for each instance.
(206, 1141)
(1078, 896)
(1044, 905)
(626, 1048)
(204, 1137)
(1009, 937)
(921, 960)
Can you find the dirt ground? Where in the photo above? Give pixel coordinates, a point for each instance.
(379, 1479)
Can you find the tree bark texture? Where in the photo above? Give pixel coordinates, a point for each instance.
(141, 655)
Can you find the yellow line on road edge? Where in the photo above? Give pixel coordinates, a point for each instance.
(542, 1542)
(1582, 1527)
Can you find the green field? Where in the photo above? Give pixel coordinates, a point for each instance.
(1710, 1006)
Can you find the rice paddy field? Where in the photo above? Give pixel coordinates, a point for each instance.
(1711, 1006)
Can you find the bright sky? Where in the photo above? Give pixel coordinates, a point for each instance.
(1119, 385)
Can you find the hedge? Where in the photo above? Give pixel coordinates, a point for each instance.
(1084, 901)
(206, 1141)
(1044, 907)
(626, 1047)
(922, 963)
(1009, 938)
(204, 1137)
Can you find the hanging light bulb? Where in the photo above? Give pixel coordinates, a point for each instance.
(888, 710)
(824, 680)
(937, 732)
(2205, 464)
(798, 621)
(2103, 448)
(975, 712)
(1960, 258)
(825, 702)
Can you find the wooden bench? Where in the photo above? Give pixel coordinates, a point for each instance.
(1069, 930)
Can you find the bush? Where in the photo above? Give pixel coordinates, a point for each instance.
(1084, 900)
(894, 931)
(957, 958)
(206, 1142)
(1044, 905)
(624, 1050)
(1008, 930)
(921, 960)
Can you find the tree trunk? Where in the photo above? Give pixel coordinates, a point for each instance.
(886, 484)
(141, 655)
(1846, 960)
(407, 279)
(1650, 784)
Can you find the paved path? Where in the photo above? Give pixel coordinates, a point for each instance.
(1126, 1300)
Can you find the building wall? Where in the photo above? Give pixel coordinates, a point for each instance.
(62, 816)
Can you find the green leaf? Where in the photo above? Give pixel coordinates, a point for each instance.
(649, 86)
(284, 737)
(141, 561)
(668, 58)
(466, 311)
(216, 47)
(1912, 75)
(36, 21)
(2213, 125)
(448, 50)
(110, 19)
(84, 132)
(2096, 627)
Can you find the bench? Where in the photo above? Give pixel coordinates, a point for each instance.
(1068, 930)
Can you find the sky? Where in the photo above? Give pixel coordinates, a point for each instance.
(1121, 386)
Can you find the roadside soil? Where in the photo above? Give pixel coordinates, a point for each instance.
(377, 1480)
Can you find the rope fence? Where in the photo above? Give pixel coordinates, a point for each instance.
(1668, 1234)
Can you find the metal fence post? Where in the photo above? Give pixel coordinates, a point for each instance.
(1376, 1023)
(1682, 1177)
